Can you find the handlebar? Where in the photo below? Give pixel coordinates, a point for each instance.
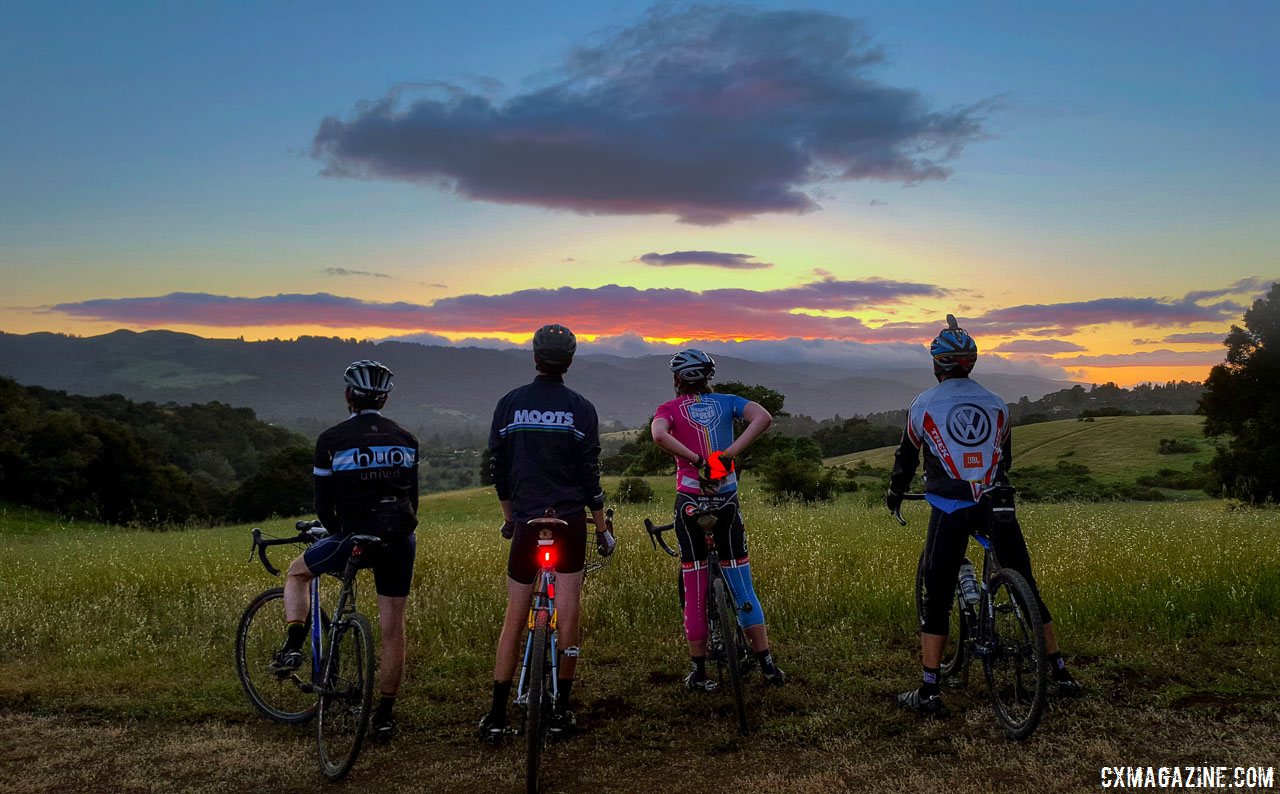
(655, 536)
(308, 532)
(906, 497)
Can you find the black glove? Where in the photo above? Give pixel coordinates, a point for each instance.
(605, 543)
(508, 529)
(893, 501)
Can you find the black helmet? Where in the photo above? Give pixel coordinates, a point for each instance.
(368, 378)
(554, 344)
(953, 350)
(693, 365)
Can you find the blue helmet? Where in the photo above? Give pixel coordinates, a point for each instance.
(954, 351)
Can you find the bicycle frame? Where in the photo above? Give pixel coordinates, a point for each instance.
(544, 599)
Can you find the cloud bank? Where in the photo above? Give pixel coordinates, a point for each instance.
(707, 113)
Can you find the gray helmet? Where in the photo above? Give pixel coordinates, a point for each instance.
(368, 378)
(693, 365)
(554, 344)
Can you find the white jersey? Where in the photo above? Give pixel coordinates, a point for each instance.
(964, 429)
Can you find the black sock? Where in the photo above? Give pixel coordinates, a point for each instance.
(385, 704)
(699, 666)
(765, 658)
(501, 689)
(295, 635)
(930, 678)
(566, 686)
(1058, 666)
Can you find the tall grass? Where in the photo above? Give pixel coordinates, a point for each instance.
(139, 622)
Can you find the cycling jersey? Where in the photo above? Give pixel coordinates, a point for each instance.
(366, 477)
(704, 424)
(963, 429)
(544, 450)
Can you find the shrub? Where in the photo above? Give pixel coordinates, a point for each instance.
(633, 490)
(1173, 446)
(787, 477)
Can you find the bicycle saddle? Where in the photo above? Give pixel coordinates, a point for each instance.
(367, 540)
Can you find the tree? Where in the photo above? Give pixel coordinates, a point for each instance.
(1242, 399)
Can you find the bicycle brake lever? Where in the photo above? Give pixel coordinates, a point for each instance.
(257, 535)
(898, 515)
(648, 528)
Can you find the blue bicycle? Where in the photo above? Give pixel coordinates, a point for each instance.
(335, 683)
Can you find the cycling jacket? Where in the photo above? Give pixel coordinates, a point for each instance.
(544, 450)
(366, 476)
(963, 429)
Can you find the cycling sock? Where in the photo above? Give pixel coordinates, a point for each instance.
(699, 666)
(1058, 666)
(566, 686)
(501, 689)
(295, 634)
(765, 658)
(930, 685)
(385, 704)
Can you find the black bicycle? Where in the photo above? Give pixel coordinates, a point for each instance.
(996, 619)
(726, 642)
(335, 683)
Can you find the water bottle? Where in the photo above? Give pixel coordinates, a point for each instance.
(969, 584)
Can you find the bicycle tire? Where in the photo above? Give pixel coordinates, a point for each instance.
(538, 709)
(955, 654)
(258, 637)
(1016, 667)
(726, 615)
(346, 697)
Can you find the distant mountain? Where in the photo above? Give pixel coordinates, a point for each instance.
(298, 383)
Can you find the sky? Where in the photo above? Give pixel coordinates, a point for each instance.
(1091, 188)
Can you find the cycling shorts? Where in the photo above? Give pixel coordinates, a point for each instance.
(570, 546)
(391, 561)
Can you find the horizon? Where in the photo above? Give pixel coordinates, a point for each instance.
(1090, 190)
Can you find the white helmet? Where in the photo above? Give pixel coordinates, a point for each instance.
(368, 378)
(693, 365)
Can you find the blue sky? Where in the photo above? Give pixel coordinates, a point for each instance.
(1125, 151)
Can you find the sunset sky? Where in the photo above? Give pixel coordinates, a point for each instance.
(1092, 188)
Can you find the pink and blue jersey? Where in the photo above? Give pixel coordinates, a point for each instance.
(704, 424)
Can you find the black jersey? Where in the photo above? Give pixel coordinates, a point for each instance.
(544, 450)
(366, 476)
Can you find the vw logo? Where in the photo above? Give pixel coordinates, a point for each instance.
(968, 424)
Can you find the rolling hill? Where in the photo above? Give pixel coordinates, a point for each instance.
(297, 382)
(1117, 449)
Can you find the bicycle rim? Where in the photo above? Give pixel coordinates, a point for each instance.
(1016, 664)
(726, 615)
(346, 700)
(538, 711)
(954, 658)
(258, 638)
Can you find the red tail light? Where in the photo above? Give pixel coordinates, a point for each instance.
(546, 555)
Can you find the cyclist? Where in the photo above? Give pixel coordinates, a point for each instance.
(366, 482)
(963, 430)
(544, 452)
(696, 428)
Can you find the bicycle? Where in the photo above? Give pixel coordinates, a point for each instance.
(336, 685)
(726, 642)
(996, 619)
(539, 686)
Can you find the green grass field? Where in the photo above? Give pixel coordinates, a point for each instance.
(116, 657)
(1116, 449)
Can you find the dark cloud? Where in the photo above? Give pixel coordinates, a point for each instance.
(342, 271)
(608, 310)
(706, 258)
(1044, 346)
(707, 113)
(1144, 341)
(879, 203)
(1210, 337)
(1245, 286)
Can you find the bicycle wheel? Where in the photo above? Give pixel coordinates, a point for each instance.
(1016, 664)
(727, 617)
(260, 634)
(346, 697)
(538, 710)
(955, 655)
